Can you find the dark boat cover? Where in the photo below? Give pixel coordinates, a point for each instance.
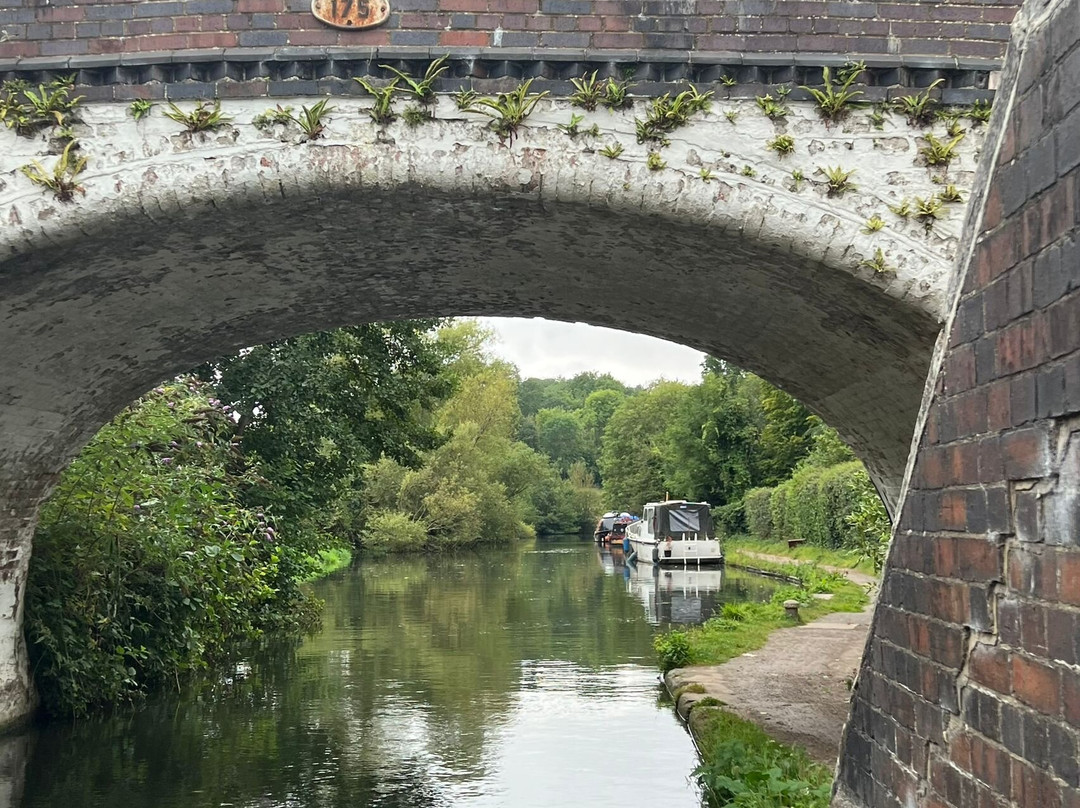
(676, 519)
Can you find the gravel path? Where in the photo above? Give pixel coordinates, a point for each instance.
(796, 687)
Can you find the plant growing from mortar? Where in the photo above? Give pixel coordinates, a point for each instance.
(834, 102)
(27, 111)
(414, 115)
(771, 109)
(950, 194)
(732, 115)
(382, 111)
(873, 224)
(928, 211)
(728, 81)
(616, 94)
(421, 89)
(837, 180)
(612, 150)
(919, 108)
(979, 112)
(655, 162)
(877, 116)
(705, 174)
(667, 114)
(62, 179)
(797, 178)
(902, 209)
(509, 110)
(140, 108)
(313, 120)
(783, 145)
(954, 129)
(573, 129)
(203, 118)
(877, 263)
(277, 115)
(939, 152)
(588, 90)
(748, 171)
(464, 98)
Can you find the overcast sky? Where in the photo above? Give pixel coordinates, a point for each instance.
(548, 349)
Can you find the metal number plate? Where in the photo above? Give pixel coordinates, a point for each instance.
(351, 13)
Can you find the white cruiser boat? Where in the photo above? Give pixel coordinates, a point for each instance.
(675, 532)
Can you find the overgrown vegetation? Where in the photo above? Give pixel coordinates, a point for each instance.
(203, 118)
(185, 528)
(939, 152)
(920, 108)
(835, 101)
(28, 110)
(742, 767)
(819, 502)
(667, 113)
(509, 110)
(63, 178)
(382, 108)
(422, 89)
(147, 562)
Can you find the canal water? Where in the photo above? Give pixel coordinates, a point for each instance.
(512, 677)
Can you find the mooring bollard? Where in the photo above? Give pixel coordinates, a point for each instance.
(792, 609)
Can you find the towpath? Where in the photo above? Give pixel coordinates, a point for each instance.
(797, 686)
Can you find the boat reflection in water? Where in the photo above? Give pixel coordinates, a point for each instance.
(676, 595)
(683, 595)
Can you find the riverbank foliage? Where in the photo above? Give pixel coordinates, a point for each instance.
(742, 767)
(832, 506)
(148, 563)
(742, 627)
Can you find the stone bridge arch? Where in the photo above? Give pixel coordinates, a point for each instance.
(186, 247)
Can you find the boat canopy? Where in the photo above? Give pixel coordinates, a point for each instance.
(675, 518)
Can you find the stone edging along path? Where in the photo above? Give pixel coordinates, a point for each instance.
(797, 686)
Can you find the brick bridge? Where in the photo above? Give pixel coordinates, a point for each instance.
(964, 334)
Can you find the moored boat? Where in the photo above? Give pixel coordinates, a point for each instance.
(675, 532)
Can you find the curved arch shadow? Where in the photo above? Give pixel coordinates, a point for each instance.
(91, 324)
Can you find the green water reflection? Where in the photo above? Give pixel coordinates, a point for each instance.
(519, 677)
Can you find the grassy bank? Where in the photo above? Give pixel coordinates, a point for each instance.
(329, 561)
(742, 627)
(742, 766)
(843, 559)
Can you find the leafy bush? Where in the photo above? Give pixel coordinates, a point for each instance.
(817, 505)
(758, 514)
(871, 524)
(672, 650)
(393, 532)
(146, 563)
(730, 518)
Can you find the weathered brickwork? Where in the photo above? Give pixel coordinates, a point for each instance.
(970, 692)
(954, 29)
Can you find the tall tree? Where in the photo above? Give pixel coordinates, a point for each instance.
(314, 408)
(632, 460)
